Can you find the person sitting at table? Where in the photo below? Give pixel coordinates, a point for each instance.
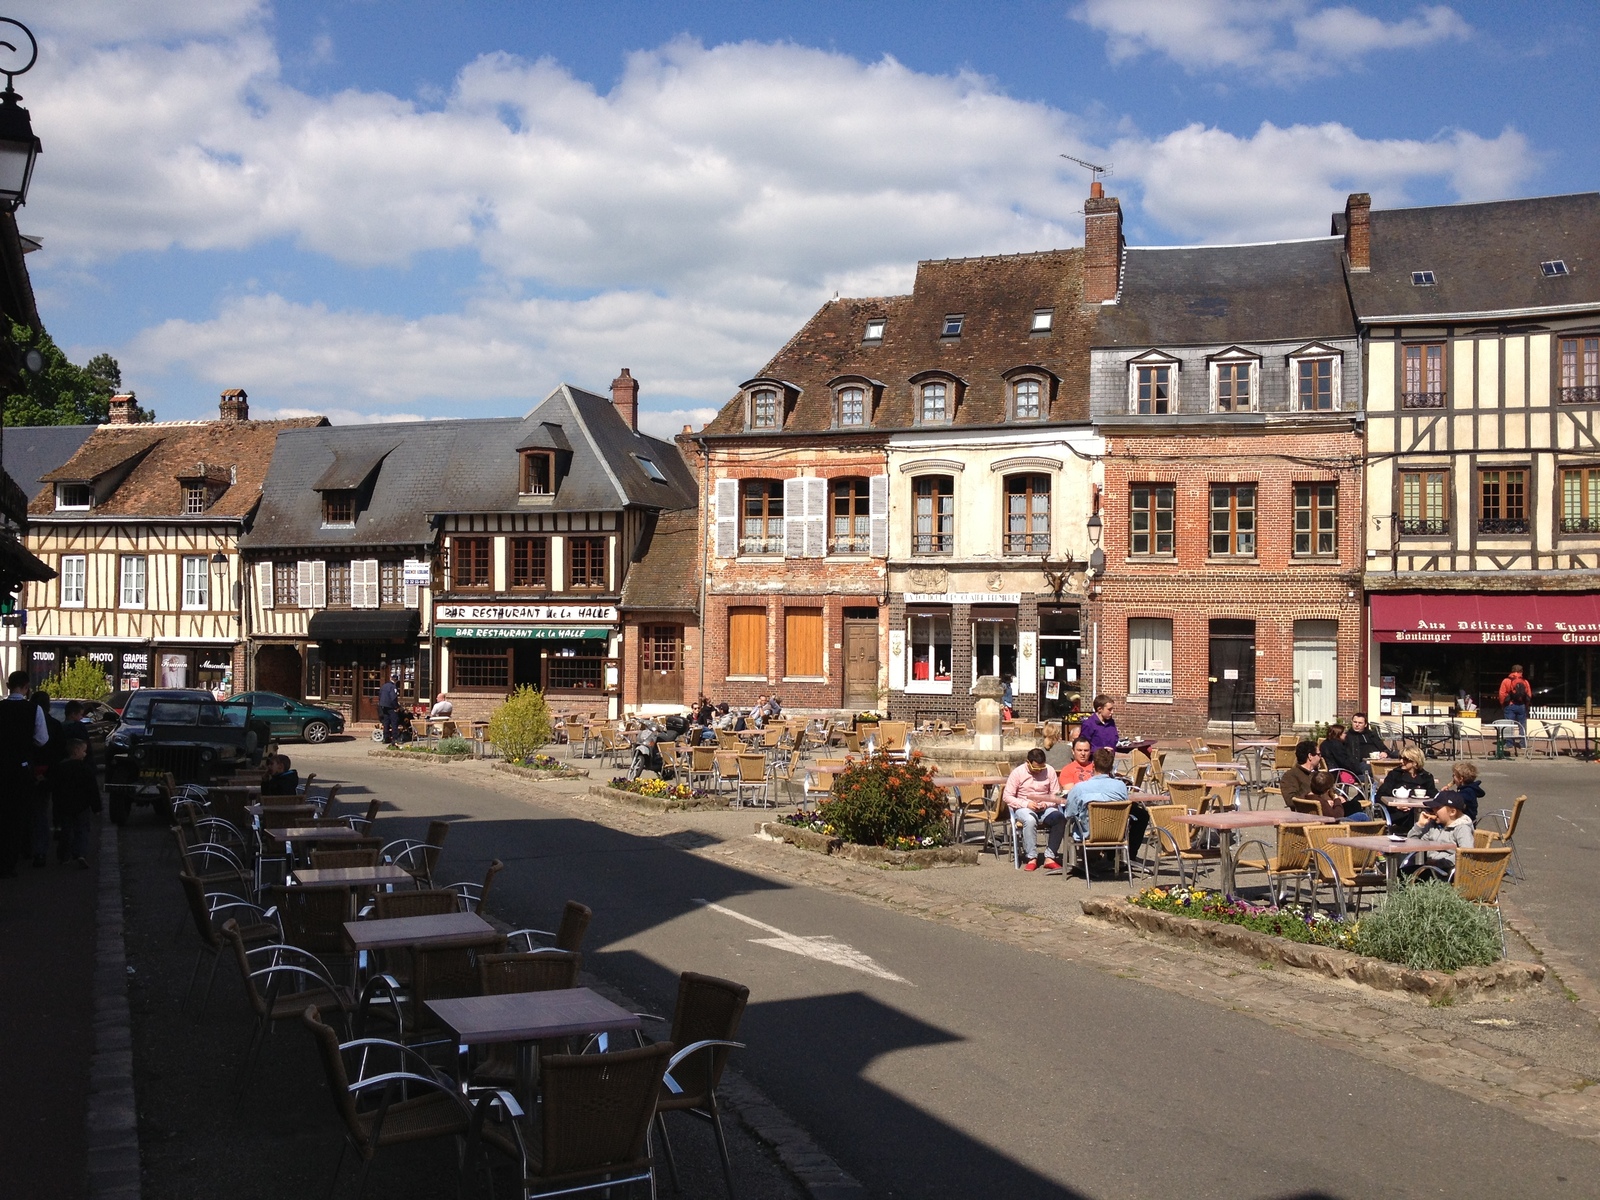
(1031, 796)
(757, 716)
(1296, 781)
(1103, 785)
(1363, 740)
(1441, 820)
(441, 709)
(1100, 727)
(1464, 780)
(282, 779)
(1339, 755)
(1079, 767)
(1411, 777)
(1322, 785)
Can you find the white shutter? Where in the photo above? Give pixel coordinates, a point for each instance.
(880, 517)
(727, 518)
(413, 595)
(304, 584)
(794, 518)
(816, 492)
(264, 584)
(364, 583)
(319, 584)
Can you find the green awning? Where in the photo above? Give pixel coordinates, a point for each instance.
(543, 633)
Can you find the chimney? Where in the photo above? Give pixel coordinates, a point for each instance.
(124, 409)
(235, 405)
(1358, 231)
(625, 395)
(1102, 245)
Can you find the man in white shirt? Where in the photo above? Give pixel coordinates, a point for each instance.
(441, 708)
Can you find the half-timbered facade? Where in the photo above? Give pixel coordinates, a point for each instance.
(30, 452)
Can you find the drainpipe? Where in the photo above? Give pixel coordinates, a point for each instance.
(705, 555)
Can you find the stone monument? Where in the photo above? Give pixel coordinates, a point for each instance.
(987, 735)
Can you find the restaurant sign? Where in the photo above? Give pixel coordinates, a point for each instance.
(584, 613)
(1511, 619)
(540, 633)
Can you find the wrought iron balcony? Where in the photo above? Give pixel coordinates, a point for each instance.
(1421, 399)
(1580, 524)
(1589, 394)
(1424, 526)
(1502, 525)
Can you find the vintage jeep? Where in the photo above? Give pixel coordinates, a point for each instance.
(189, 735)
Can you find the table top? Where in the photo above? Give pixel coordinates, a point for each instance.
(1387, 845)
(442, 929)
(297, 810)
(958, 780)
(1250, 819)
(1255, 745)
(530, 1016)
(1397, 802)
(317, 833)
(344, 876)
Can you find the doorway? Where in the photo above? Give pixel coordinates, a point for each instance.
(1233, 670)
(861, 659)
(1316, 672)
(278, 670)
(661, 664)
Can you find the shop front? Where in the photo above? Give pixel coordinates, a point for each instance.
(942, 643)
(131, 665)
(1432, 652)
(353, 652)
(570, 652)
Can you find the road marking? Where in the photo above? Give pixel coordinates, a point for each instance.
(824, 949)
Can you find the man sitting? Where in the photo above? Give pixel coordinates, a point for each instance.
(1363, 740)
(1079, 767)
(283, 780)
(1031, 796)
(1296, 781)
(1103, 785)
(441, 708)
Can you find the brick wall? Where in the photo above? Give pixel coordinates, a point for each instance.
(958, 705)
(632, 640)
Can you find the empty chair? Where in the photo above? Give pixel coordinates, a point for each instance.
(327, 860)
(419, 858)
(1506, 835)
(568, 935)
(364, 824)
(313, 918)
(545, 971)
(279, 982)
(1291, 860)
(206, 910)
(1191, 793)
(1478, 875)
(473, 896)
(431, 903)
(1175, 840)
(704, 1023)
(752, 781)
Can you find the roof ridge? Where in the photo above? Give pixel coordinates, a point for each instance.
(1487, 203)
(998, 257)
(1331, 237)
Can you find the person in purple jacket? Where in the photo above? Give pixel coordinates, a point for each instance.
(1100, 727)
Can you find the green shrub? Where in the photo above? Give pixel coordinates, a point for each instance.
(521, 725)
(1428, 927)
(453, 745)
(878, 802)
(80, 679)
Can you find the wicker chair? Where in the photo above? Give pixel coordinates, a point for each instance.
(503, 974)
(1336, 865)
(752, 778)
(1191, 793)
(419, 858)
(1505, 835)
(279, 982)
(702, 767)
(569, 934)
(1291, 861)
(1305, 804)
(1175, 840)
(205, 909)
(364, 824)
(1108, 830)
(313, 918)
(1478, 876)
(328, 860)
(431, 903)
(474, 896)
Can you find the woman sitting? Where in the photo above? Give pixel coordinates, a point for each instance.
(1409, 779)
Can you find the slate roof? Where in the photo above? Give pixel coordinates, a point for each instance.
(1484, 257)
(161, 453)
(32, 451)
(1221, 295)
(997, 296)
(668, 577)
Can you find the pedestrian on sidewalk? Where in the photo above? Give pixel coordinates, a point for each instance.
(389, 708)
(54, 750)
(23, 734)
(75, 793)
(1515, 696)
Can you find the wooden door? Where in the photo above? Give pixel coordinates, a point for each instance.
(1233, 670)
(861, 664)
(661, 664)
(366, 706)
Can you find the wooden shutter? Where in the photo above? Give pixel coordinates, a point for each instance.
(264, 584)
(727, 518)
(364, 583)
(879, 547)
(303, 583)
(802, 641)
(747, 641)
(816, 540)
(794, 518)
(319, 584)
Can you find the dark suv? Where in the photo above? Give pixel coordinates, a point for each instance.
(185, 733)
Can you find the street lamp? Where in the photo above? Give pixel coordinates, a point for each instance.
(18, 145)
(219, 568)
(1097, 556)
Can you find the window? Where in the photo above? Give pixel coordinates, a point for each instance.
(934, 403)
(1423, 382)
(132, 589)
(391, 588)
(933, 530)
(1314, 384)
(850, 513)
(661, 647)
(928, 640)
(874, 331)
(480, 671)
(1149, 656)
(1044, 320)
(761, 517)
(1316, 520)
(73, 495)
(196, 591)
(538, 473)
(285, 585)
(1233, 520)
(469, 563)
(1150, 507)
(1553, 267)
(1027, 400)
(648, 466)
(852, 406)
(802, 643)
(194, 498)
(1424, 502)
(338, 585)
(1152, 389)
(1027, 514)
(1233, 380)
(530, 562)
(1580, 371)
(747, 642)
(952, 325)
(1502, 501)
(569, 671)
(1580, 502)
(586, 563)
(339, 507)
(74, 569)
(994, 648)
(1422, 279)
(764, 409)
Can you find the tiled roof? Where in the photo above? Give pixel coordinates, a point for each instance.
(668, 577)
(33, 451)
(996, 297)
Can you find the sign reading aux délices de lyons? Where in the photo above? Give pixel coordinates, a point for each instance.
(584, 613)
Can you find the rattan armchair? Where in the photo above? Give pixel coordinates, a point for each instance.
(1291, 860)
(503, 974)
(1478, 876)
(364, 824)
(207, 910)
(1176, 840)
(474, 896)
(1506, 834)
(313, 918)
(419, 858)
(1336, 865)
(704, 1023)
(568, 935)
(329, 860)
(279, 982)
(1108, 831)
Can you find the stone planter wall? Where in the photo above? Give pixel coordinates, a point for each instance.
(821, 843)
(654, 803)
(1437, 987)
(541, 776)
(418, 756)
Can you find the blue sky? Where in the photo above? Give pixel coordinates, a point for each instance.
(397, 210)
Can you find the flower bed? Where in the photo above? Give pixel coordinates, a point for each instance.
(658, 788)
(413, 752)
(542, 767)
(878, 801)
(816, 824)
(663, 797)
(1288, 921)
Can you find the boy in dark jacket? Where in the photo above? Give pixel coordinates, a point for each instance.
(75, 789)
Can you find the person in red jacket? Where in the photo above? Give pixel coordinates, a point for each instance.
(1515, 696)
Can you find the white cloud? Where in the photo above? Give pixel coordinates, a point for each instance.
(1281, 40)
(669, 423)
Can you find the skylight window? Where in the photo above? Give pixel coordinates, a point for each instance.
(1422, 279)
(1554, 267)
(649, 467)
(874, 330)
(952, 324)
(1044, 320)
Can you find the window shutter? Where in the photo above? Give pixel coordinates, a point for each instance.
(816, 491)
(305, 583)
(880, 517)
(727, 518)
(364, 583)
(413, 596)
(794, 518)
(264, 584)
(319, 584)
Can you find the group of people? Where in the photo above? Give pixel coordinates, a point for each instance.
(46, 779)
(708, 718)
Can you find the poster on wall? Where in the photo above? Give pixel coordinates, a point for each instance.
(1052, 690)
(174, 670)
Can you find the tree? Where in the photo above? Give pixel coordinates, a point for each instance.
(521, 725)
(63, 393)
(78, 680)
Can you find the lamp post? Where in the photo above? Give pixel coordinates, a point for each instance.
(18, 145)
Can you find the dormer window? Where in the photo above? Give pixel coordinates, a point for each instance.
(875, 328)
(934, 408)
(73, 495)
(1044, 320)
(195, 500)
(1027, 400)
(852, 407)
(1151, 380)
(538, 473)
(952, 325)
(764, 409)
(339, 507)
(1234, 377)
(1423, 279)
(1554, 267)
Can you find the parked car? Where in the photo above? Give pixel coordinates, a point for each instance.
(118, 701)
(289, 718)
(180, 732)
(101, 718)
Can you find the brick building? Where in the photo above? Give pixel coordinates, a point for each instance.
(1227, 385)
(661, 646)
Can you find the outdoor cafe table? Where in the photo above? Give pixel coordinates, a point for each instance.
(1394, 850)
(318, 833)
(379, 876)
(1227, 823)
(438, 930)
(294, 810)
(530, 1016)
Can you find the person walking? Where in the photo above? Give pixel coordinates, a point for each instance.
(389, 708)
(1515, 696)
(23, 735)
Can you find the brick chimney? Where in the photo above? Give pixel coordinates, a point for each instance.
(1102, 245)
(625, 395)
(235, 405)
(1358, 231)
(124, 409)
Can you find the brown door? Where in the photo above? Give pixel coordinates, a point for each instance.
(661, 664)
(366, 708)
(861, 663)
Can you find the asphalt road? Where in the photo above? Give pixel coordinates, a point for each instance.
(982, 1070)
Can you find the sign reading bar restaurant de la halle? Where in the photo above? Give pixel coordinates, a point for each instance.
(583, 614)
(1485, 619)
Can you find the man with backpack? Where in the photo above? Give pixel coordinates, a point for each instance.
(1515, 696)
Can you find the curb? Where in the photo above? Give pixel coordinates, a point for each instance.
(1584, 992)
(113, 1120)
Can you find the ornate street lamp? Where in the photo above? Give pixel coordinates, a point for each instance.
(18, 145)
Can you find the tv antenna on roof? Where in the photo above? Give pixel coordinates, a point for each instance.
(1095, 169)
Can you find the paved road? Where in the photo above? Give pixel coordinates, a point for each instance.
(983, 1070)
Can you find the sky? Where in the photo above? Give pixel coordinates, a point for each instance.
(392, 210)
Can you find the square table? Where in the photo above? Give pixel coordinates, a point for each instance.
(441, 929)
(379, 876)
(1393, 851)
(315, 833)
(530, 1016)
(1228, 822)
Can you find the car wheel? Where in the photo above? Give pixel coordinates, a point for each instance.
(315, 732)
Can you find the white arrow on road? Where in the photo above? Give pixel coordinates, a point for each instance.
(824, 949)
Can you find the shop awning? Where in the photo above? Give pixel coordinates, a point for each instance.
(17, 566)
(543, 633)
(1487, 619)
(364, 625)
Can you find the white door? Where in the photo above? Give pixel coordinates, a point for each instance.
(1316, 671)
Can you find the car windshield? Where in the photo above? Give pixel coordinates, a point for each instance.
(138, 709)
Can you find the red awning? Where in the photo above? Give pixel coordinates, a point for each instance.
(1502, 619)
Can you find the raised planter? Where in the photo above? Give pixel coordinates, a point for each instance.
(1437, 987)
(654, 803)
(538, 774)
(417, 756)
(910, 860)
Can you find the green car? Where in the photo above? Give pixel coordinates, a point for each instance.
(293, 718)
